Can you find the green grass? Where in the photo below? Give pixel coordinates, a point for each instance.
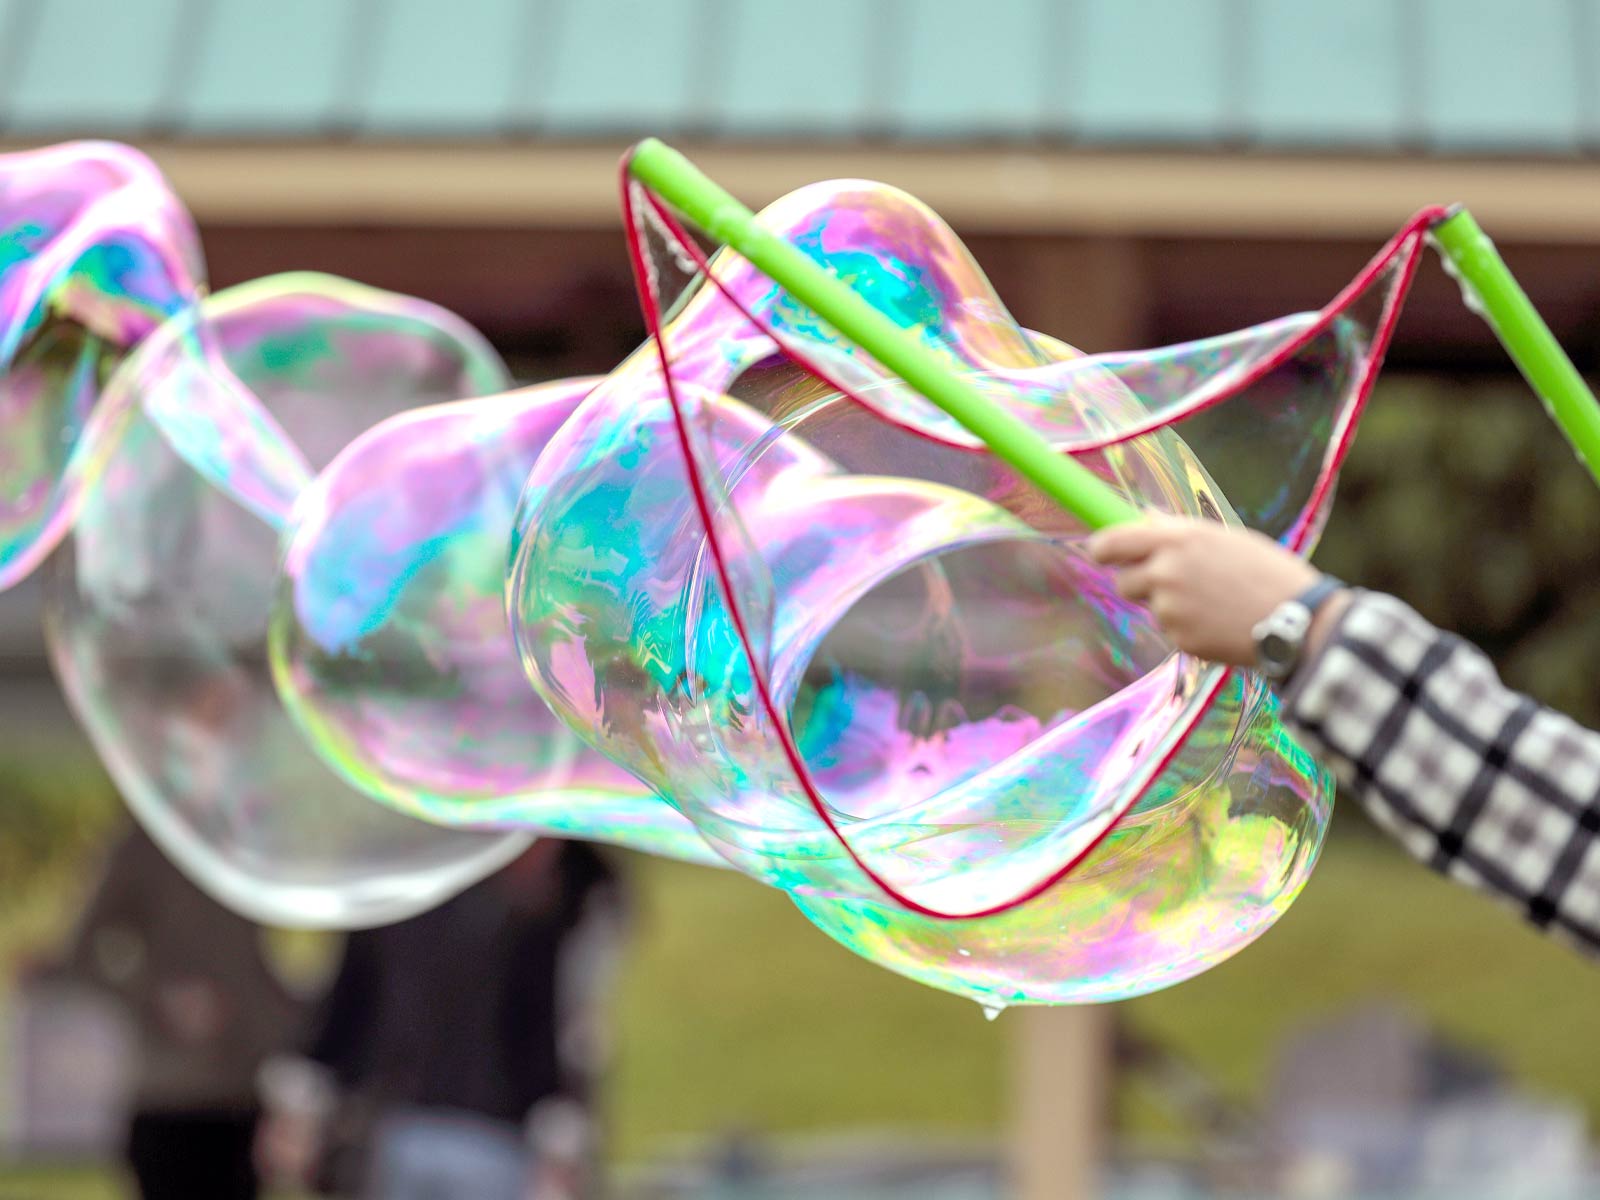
(61, 1183)
(1374, 924)
(735, 1014)
(72, 1183)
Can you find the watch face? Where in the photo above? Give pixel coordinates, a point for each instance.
(1279, 638)
(1276, 650)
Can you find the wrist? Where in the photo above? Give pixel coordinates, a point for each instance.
(1324, 622)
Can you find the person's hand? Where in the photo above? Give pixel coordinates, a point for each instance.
(1206, 584)
(556, 1180)
(299, 1101)
(287, 1148)
(558, 1133)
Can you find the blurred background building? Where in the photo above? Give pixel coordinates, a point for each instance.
(1129, 173)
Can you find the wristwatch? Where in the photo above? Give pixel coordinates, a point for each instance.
(1281, 636)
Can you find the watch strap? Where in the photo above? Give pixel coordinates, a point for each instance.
(1319, 593)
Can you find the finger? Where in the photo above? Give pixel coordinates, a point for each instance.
(1124, 544)
(1168, 613)
(1136, 583)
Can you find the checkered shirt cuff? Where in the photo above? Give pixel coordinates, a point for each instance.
(1483, 784)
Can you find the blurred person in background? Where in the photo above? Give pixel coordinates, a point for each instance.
(208, 1009)
(456, 1053)
(1483, 784)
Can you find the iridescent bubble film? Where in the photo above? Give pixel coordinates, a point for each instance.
(779, 612)
(391, 644)
(95, 252)
(158, 609)
(875, 667)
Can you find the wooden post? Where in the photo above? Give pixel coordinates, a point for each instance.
(1090, 294)
(1060, 1096)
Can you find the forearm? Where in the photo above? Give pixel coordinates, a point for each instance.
(1476, 780)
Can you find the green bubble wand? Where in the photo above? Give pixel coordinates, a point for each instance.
(1488, 287)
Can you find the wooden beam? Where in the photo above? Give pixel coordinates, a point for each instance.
(978, 189)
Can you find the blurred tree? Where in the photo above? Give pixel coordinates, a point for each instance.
(56, 812)
(1463, 499)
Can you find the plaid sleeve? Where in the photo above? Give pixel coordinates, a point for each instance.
(1477, 781)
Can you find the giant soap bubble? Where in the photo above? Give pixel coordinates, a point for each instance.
(779, 612)
(158, 610)
(874, 665)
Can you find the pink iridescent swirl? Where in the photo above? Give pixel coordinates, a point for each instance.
(390, 641)
(95, 252)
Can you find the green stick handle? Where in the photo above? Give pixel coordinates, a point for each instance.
(1495, 292)
(1077, 489)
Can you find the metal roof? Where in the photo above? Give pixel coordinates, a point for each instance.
(1448, 76)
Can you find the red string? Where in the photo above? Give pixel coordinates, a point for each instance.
(1404, 247)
